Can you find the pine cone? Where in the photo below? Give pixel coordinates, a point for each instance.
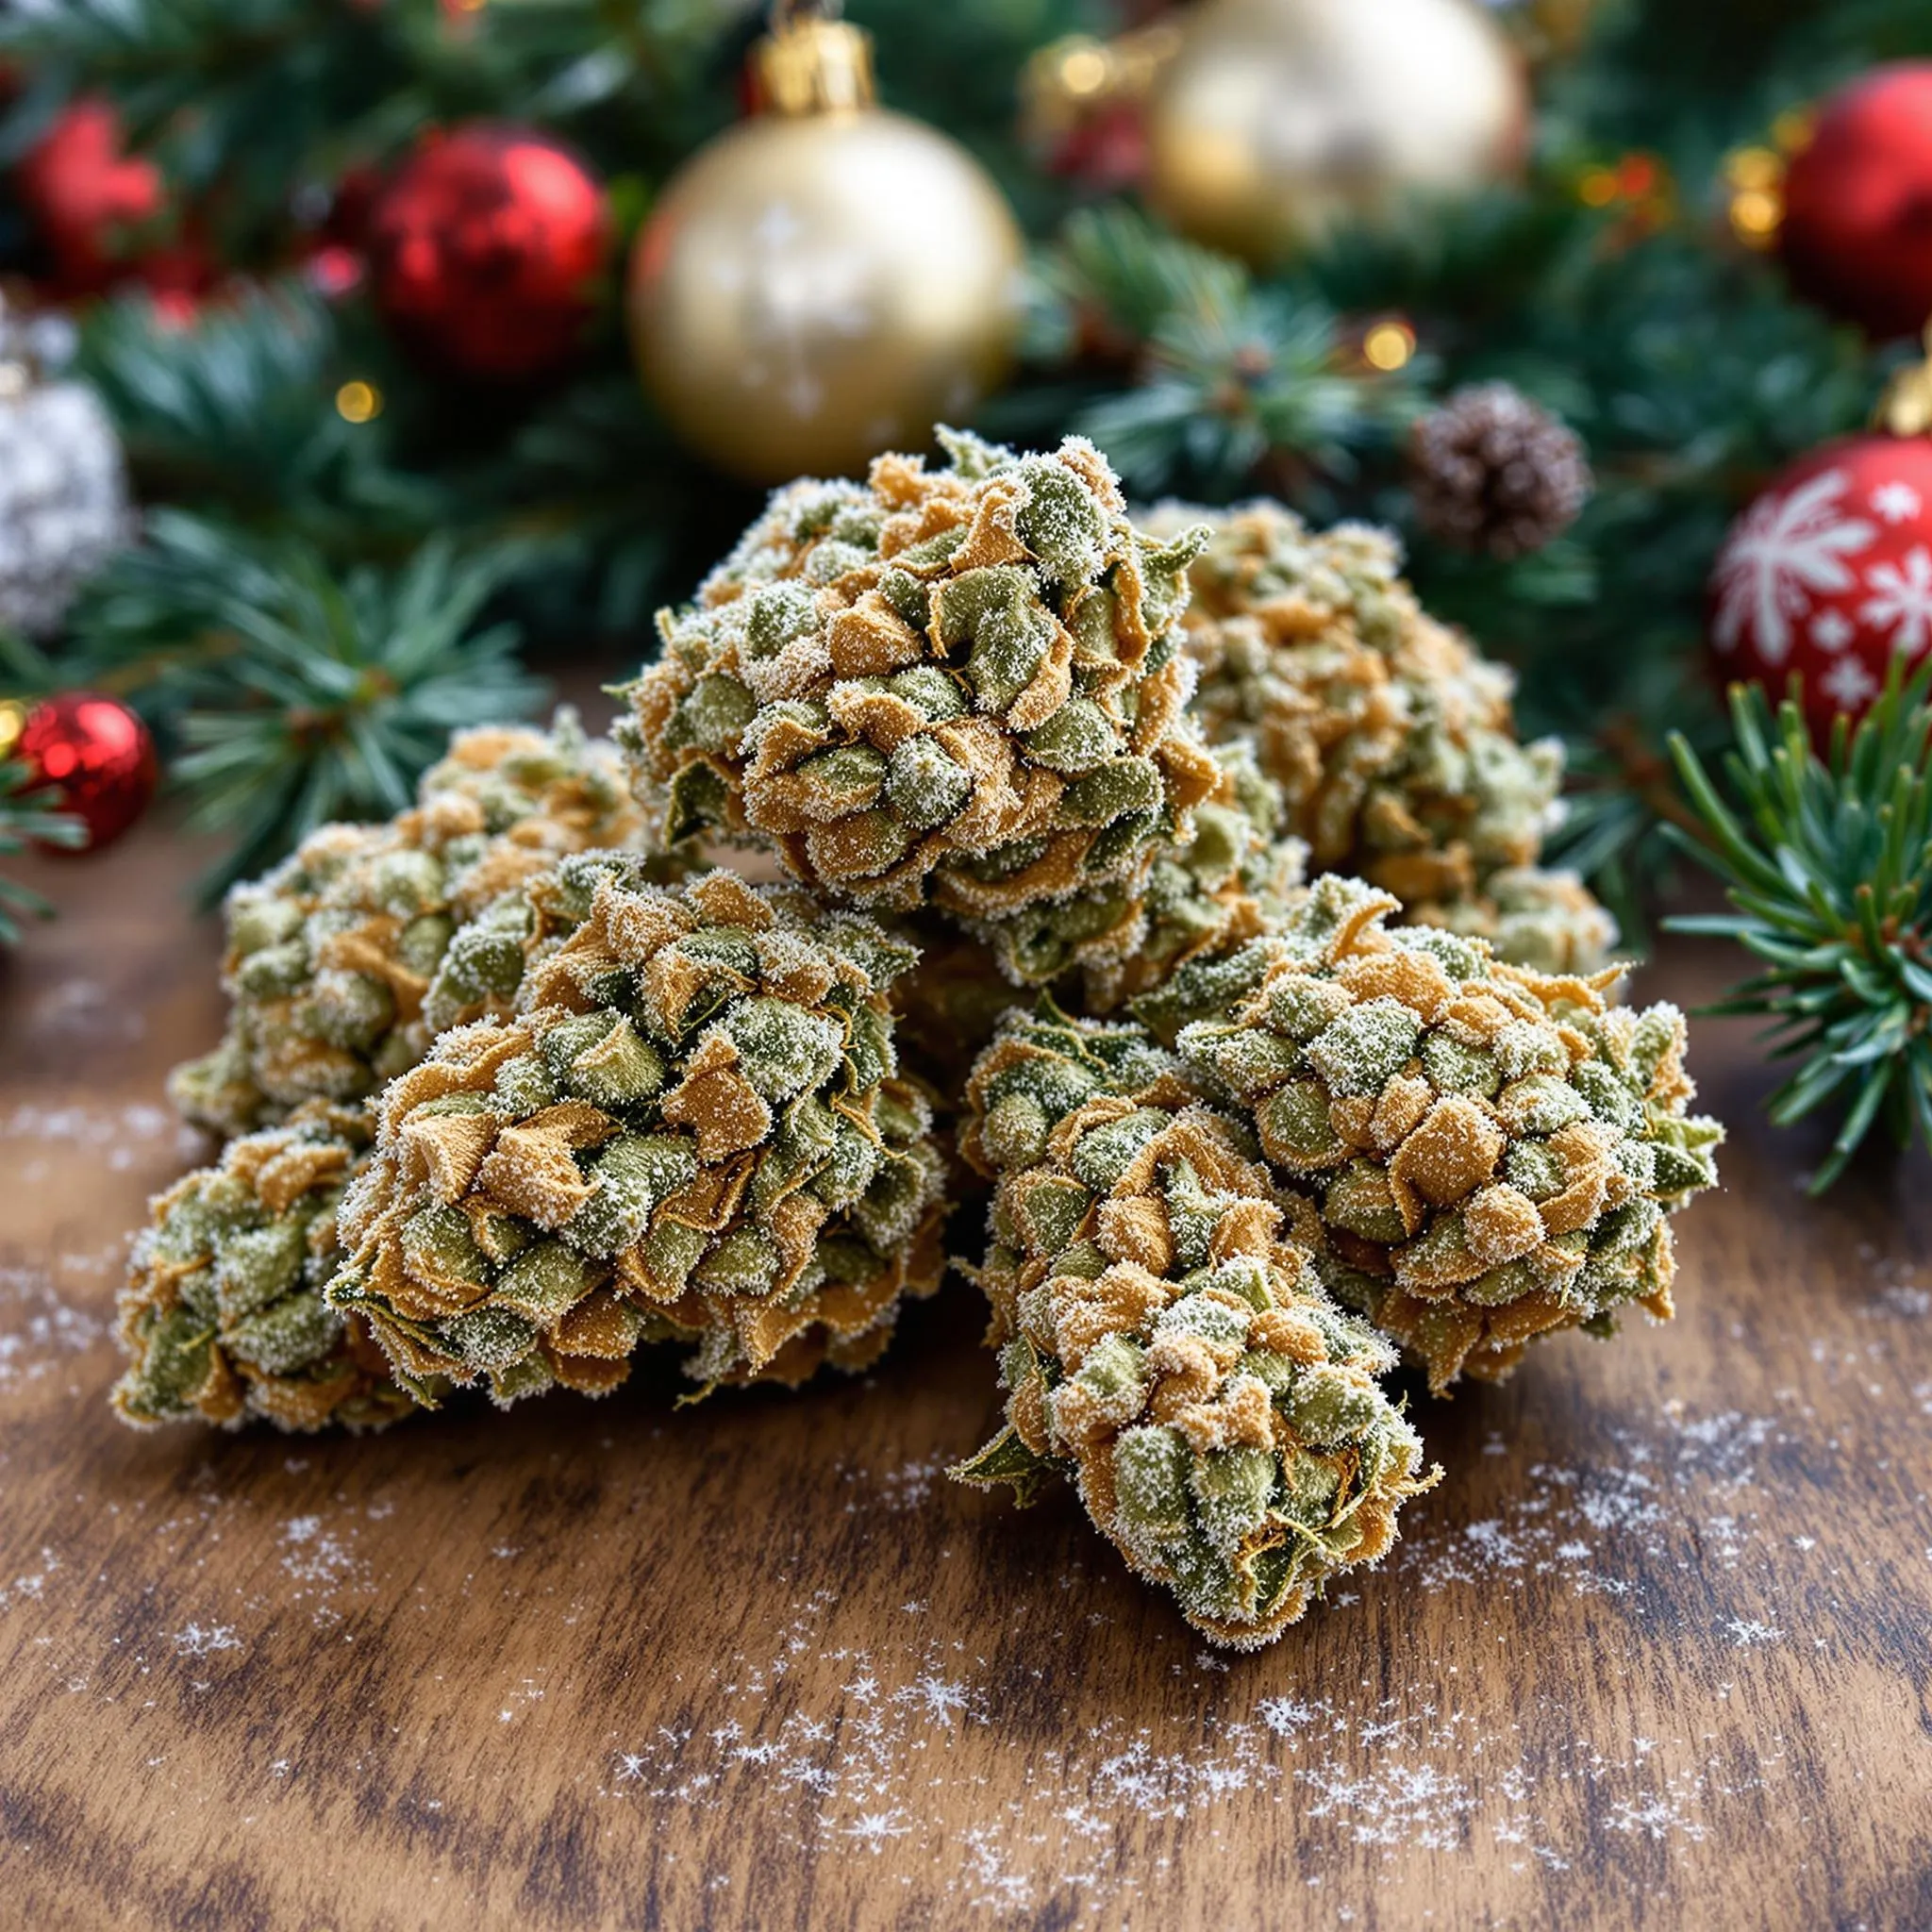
(1496, 472)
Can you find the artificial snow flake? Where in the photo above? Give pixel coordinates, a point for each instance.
(1901, 600)
(1896, 503)
(1786, 550)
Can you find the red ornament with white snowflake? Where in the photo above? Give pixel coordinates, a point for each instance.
(1828, 576)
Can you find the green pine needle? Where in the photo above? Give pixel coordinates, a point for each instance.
(26, 817)
(1828, 864)
(297, 693)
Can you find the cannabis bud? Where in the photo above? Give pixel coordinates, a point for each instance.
(961, 686)
(223, 1316)
(694, 1130)
(1391, 738)
(1495, 1152)
(1531, 915)
(330, 954)
(1165, 1341)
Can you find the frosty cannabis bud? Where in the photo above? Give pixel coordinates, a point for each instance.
(1166, 1342)
(222, 1315)
(330, 956)
(1391, 740)
(1495, 1152)
(1205, 891)
(695, 1130)
(1532, 915)
(961, 686)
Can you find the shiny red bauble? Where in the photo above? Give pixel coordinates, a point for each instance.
(1858, 222)
(97, 756)
(1828, 573)
(487, 251)
(102, 214)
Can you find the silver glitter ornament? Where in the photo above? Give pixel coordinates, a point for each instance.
(63, 485)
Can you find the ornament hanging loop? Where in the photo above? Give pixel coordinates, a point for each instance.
(1906, 408)
(812, 62)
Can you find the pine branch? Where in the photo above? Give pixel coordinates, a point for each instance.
(1828, 864)
(298, 694)
(26, 818)
(1224, 376)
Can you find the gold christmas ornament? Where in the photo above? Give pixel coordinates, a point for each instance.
(1280, 119)
(827, 279)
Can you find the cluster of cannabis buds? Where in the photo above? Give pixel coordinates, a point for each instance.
(519, 1082)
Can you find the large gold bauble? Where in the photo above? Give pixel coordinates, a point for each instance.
(1280, 119)
(823, 282)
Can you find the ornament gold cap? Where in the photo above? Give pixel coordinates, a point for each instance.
(1906, 408)
(810, 64)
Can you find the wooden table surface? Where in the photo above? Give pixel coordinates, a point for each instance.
(1658, 1650)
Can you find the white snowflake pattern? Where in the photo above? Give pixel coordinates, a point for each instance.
(1901, 600)
(1832, 630)
(1786, 550)
(1896, 503)
(1848, 685)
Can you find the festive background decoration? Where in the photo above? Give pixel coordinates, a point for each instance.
(1856, 227)
(104, 215)
(1280, 122)
(828, 278)
(63, 485)
(88, 754)
(1494, 473)
(487, 250)
(1828, 576)
(1828, 864)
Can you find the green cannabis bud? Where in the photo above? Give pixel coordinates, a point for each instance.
(1391, 737)
(1495, 1152)
(1165, 1341)
(1206, 893)
(330, 954)
(961, 688)
(695, 1129)
(1531, 915)
(222, 1315)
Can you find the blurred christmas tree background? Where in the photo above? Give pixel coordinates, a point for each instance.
(352, 530)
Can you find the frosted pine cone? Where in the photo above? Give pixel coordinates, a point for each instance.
(1493, 471)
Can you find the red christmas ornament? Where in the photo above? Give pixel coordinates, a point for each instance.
(97, 755)
(1828, 573)
(102, 211)
(1858, 220)
(486, 251)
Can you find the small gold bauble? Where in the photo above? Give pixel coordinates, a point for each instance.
(1280, 119)
(824, 281)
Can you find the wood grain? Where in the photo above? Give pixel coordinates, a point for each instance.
(1657, 1651)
